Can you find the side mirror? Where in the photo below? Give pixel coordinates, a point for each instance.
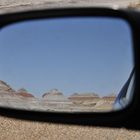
(72, 61)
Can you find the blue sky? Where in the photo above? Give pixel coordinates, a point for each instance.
(70, 54)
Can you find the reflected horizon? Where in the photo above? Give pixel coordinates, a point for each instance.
(76, 59)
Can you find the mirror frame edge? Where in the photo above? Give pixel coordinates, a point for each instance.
(109, 119)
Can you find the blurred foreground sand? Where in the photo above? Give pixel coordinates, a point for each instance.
(11, 129)
(16, 5)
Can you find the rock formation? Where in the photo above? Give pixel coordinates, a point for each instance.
(5, 87)
(23, 92)
(110, 97)
(84, 96)
(54, 95)
(52, 92)
(86, 99)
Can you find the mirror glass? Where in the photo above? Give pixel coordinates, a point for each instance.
(76, 64)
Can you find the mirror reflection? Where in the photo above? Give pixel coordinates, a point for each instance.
(67, 64)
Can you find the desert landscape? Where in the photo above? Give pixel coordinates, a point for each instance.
(54, 100)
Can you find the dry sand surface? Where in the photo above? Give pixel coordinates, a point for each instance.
(11, 129)
(87, 2)
(14, 5)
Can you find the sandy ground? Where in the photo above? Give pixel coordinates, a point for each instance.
(92, 2)
(15, 5)
(11, 129)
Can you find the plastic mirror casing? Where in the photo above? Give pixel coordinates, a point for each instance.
(128, 117)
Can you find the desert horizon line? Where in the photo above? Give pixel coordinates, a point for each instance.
(56, 91)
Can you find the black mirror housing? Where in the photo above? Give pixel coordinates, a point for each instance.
(127, 117)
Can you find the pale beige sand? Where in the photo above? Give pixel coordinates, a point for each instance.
(11, 129)
(93, 2)
(16, 5)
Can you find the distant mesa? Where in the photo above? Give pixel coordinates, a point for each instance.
(84, 96)
(23, 92)
(54, 95)
(6, 89)
(110, 97)
(52, 92)
(75, 94)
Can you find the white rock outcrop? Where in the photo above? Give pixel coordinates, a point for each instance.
(54, 95)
